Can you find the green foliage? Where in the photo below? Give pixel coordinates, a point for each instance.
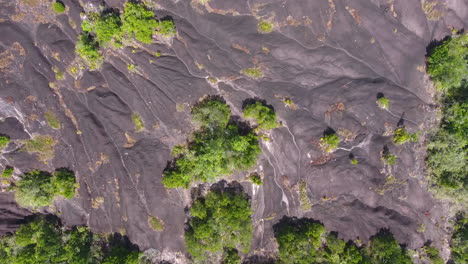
(401, 136)
(106, 28)
(220, 220)
(52, 120)
(217, 149)
(88, 49)
(58, 7)
(4, 140)
(138, 22)
(383, 102)
(447, 63)
(265, 26)
(354, 161)
(385, 249)
(253, 72)
(38, 188)
(256, 179)
(459, 243)
(136, 118)
(155, 223)
(211, 114)
(7, 172)
(167, 28)
(330, 142)
(433, 255)
(43, 145)
(263, 115)
(42, 241)
(179, 150)
(231, 256)
(388, 158)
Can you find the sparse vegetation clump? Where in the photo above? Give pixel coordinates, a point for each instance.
(52, 120)
(7, 172)
(39, 188)
(388, 158)
(218, 148)
(58, 7)
(136, 118)
(383, 102)
(42, 240)
(265, 26)
(330, 142)
(4, 140)
(256, 179)
(265, 116)
(401, 136)
(253, 72)
(447, 151)
(88, 49)
(43, 145)
(155, 223)
(219, 225)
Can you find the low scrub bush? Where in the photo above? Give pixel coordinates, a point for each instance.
(330, 142)
(264, 116)
(4, 140)
(58, 7)
(401, 136)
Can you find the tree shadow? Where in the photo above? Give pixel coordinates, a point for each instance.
(119, 240)
(329, 131)
(244, 126)
(401, 121)
(380, 95)
(257, 259)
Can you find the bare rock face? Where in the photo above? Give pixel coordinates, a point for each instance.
(331, 58)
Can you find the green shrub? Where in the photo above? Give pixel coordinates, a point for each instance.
(219, 221)
(155, 223)
(136, 118)
(388, 158)
(4, 140)
(447, 63)
(253, 72)
(401, 136)
(7, 172)
(265, 26)
(217, 149)
(433, 255)
(385, 249)
(263, 115)
(167, 28)
(354, 161)
(459, 242)
(256, 179)
(52, 120)
(231, 256)
(138, 22)
(88, 49)
(383, 102)
(43, 145)
(330, 142)
(58, 7)
(38, 188)
(43, 241)
(106, 28)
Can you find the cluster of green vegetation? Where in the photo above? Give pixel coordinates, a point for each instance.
(52, 120)
(447, 64)
(383, 102)
(264, 116)
(218, 148)
(155, 223)
(4, 140)
(43, 145)
(38, 188)
(304, 241)
(101, 29)
(459, 242)
(58, 7)
(330, 142)
(387, 157)
(43, 241)
(433, 255)
(265, 26)
(219, 225)
(136, 118)
(7, 172)
(401, 136)
(255, 179)
(253, 72)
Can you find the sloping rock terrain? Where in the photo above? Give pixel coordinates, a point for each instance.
(331, 58)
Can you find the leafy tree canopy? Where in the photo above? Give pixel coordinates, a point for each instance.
(264, 115)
